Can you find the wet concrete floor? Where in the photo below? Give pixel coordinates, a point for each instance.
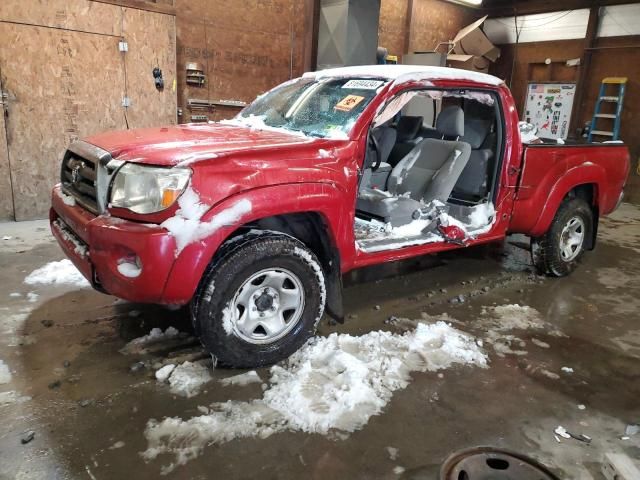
(73, 388)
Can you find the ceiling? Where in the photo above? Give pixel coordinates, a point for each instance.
(498, 8)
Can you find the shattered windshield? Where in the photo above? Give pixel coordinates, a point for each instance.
(325, 108)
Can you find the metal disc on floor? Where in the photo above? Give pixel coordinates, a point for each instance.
(488, 463)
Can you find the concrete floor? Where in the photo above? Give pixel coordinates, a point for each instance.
(516, 403)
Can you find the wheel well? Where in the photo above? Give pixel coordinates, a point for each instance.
(311, 229)
(589, 193)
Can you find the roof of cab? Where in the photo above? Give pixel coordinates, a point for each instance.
(405, 73)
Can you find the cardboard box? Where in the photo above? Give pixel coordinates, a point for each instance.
(471, 40)
(468, 62)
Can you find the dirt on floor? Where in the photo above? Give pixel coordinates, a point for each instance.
(77, 400)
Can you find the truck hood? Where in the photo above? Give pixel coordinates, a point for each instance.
(184, 144)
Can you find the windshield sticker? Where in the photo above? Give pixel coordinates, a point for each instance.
(363, 84)
(348, 103)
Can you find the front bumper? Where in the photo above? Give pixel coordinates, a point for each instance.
(97, 244)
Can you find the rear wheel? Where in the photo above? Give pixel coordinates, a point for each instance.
(558, 251)
(261, 301)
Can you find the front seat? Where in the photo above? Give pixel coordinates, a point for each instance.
(385, 138)
(473, 182)
(430, 171)
(426, 174)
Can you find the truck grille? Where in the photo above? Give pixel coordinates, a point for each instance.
(80, 179)
(86, 174)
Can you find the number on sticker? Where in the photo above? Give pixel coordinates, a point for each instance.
(363, 84)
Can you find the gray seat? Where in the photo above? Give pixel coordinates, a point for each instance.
(473, 182)
(426, 174)
(407, 128)
(385, 138)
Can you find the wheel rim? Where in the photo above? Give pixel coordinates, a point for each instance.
(572, 238)
(267, 306)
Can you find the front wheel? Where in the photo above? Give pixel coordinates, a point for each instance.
(558, 251)
(261, 301)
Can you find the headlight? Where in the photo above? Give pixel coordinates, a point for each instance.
(144, 189)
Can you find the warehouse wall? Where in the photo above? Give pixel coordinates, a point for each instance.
(65, 78)
(607, 60)
(434, 21)
(245, 48)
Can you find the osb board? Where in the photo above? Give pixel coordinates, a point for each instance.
(435, 21)
(530, 64)
(68, 84)
(392, 26)
(63, 85)
(81, 15)
(245, 48)
(152, 42)
(6, 202)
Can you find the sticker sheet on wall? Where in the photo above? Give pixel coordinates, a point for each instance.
(549, 107)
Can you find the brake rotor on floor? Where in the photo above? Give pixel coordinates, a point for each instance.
(488, 463)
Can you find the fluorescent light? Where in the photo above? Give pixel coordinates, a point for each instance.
(469, 3)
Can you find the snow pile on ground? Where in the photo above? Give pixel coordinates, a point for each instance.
(333, 383)
(186, 225)
(513, 317)
(499, 320)
(242, 379)
(187, 379)
(5, 373)
(162, 374)
(57, 273)
(11, 397)
(137, 345)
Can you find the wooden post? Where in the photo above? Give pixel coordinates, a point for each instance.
(408, 26)
(589, 42)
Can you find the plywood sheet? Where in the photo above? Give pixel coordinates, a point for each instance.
(392, 26)
(81, 15)
(63, 85)
(152, 42)
(246, 48)
(6, 202)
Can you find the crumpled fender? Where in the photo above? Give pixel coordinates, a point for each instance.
(322, 198)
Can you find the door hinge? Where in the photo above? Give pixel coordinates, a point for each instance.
(513, 170)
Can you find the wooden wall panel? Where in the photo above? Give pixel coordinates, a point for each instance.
(47, 73)
(6, 197)
(434, 21)
(608, 59)
(152, 42)
(246, 48)
(392, 26)
(68, 14)
(66, 79)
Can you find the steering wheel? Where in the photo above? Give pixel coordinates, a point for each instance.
(376, 165)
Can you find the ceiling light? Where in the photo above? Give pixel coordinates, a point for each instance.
(468, 3)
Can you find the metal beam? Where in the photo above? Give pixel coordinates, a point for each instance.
(506, 8)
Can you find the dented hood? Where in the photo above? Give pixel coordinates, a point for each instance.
(192, 142)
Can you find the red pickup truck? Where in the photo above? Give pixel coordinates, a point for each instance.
(253, 221)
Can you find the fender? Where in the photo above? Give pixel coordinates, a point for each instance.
(322, 198)
(586, 173)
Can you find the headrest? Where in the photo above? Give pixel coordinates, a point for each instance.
(408, 127)
(476, 131)
(450, 122)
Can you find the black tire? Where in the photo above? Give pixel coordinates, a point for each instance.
(546, 250)
(238, 261)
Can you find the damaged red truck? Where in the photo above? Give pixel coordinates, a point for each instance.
(252, 222)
